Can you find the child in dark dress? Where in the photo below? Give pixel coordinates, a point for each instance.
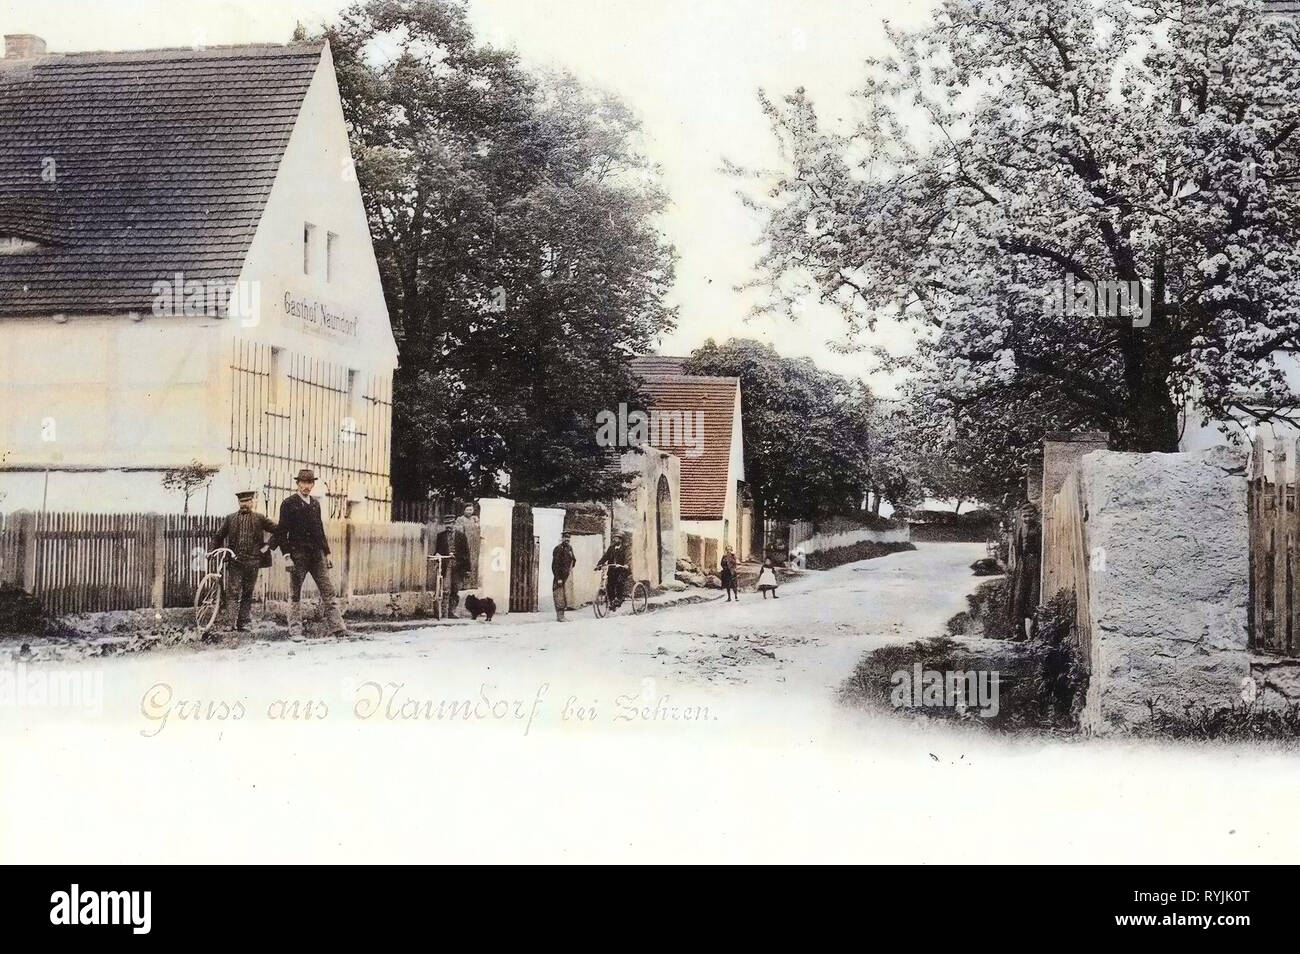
(729, 575)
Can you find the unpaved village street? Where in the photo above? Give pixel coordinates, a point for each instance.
(705, 731)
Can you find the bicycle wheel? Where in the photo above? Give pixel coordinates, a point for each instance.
(207, 602)
(640, 598)
(600, 605)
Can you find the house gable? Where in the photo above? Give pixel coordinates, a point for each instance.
(708, 478)
(320, 291)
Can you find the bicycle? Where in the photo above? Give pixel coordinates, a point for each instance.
(211, 591)
(639, 597)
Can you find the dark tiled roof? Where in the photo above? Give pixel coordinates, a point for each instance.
(704, 478)
(652, 365)
(162, 161)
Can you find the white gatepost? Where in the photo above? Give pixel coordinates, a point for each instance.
(495, 516)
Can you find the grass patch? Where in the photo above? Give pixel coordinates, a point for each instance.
(1234, 723)
(1041, 683)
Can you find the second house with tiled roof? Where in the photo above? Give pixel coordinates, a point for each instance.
(186, 275)
(698, 419)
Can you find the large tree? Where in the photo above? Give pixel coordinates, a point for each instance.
(805, 429)
(513, 216)
(1012, 146)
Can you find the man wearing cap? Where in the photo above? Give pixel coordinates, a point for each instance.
(302, 537)
(243, 532)
(562, 561)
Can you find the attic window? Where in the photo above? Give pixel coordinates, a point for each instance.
(308, 240)
(16, 245)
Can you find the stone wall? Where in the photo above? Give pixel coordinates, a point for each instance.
(1161, 565)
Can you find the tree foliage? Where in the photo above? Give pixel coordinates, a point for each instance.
(1011, 145)
(513, 217)
(807, 432)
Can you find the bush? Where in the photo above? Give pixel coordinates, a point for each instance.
(986, 615)
(867, 550)
(21, 614)
(986, 566)
(1062, 682)
(974, 526)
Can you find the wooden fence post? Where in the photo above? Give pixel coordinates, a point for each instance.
(346, 588)
(158, 556)
(27, 562)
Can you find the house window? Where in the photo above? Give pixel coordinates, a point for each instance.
(354, 393)
(331, 241)
(353, 412)
(308, 239)
(279, 376)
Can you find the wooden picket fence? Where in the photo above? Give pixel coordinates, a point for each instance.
(85, 563)
(1274, 539)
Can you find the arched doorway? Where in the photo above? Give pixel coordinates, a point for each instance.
(664, 531)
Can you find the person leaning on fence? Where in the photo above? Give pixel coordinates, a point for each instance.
(244, 533)
(562, 562)
(302, 538)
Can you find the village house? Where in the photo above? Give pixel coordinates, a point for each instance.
(700, 423)
(186, 275)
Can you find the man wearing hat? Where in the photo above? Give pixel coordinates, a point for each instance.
(619, 556)
(302, 538)
(562, 561)
(451, 542)
(243, 533)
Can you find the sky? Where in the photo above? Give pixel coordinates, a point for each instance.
(690, 68)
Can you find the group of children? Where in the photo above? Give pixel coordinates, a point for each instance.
(766, 577)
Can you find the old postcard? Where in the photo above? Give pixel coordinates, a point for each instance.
(591, 431)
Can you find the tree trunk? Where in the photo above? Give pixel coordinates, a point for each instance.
(1152, 414)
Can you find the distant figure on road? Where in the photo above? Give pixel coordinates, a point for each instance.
(767, 579)
(562, 561)
(729, 575)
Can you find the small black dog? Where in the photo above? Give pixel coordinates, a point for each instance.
(487, 606)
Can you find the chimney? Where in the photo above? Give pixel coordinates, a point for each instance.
(23, 46)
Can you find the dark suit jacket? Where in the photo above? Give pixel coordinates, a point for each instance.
(301, 527)
(562, 561)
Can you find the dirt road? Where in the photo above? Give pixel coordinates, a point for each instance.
(703, 732)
